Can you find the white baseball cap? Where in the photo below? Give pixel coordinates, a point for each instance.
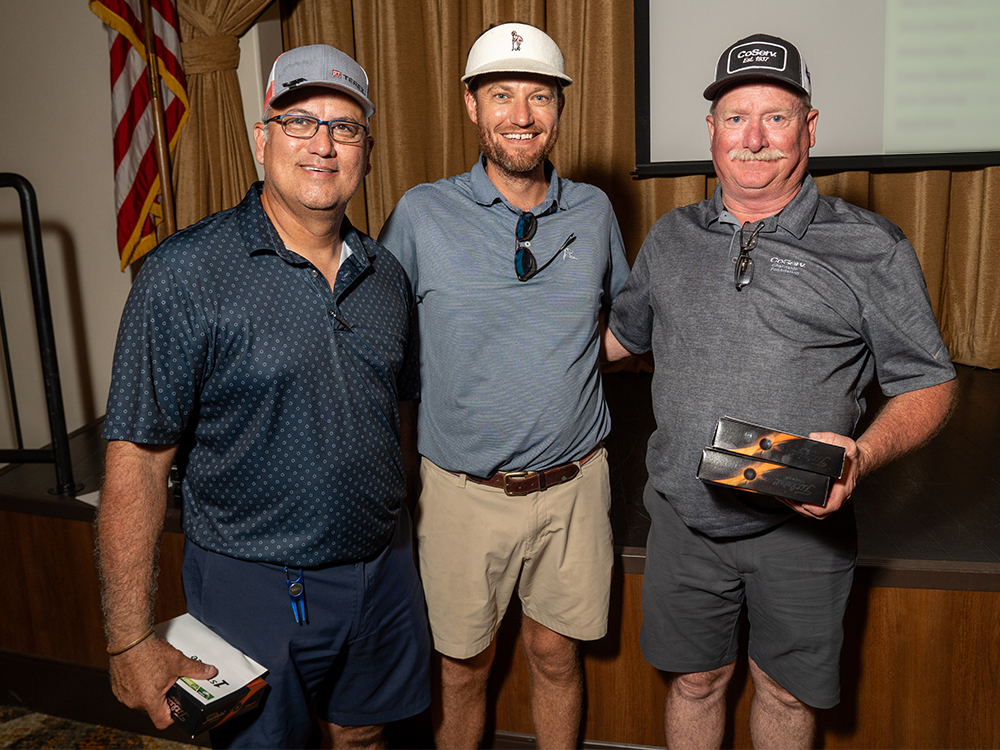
(515, 48)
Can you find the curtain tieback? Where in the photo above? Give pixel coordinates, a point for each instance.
(209, 54)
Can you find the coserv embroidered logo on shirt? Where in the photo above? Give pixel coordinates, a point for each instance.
(784, 265)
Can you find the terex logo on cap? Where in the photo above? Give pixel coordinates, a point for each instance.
(756, 55)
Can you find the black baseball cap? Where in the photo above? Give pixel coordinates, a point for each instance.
(761, 57)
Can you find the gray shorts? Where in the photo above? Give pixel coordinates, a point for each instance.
(794, 580)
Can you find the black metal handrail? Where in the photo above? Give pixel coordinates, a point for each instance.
(59, 453)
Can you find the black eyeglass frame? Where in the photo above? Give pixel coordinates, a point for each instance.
(743, 272)
(280, 119)
(525, 265)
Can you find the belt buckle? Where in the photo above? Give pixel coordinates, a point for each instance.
(515, 475)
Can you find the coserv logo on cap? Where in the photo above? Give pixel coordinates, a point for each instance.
(757, 55)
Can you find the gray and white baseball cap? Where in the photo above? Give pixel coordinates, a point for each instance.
(318, 65)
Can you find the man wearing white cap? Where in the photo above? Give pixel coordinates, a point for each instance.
(264, 350)
(775, 305)
(512, 267)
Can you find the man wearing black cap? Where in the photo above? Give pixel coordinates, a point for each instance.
(775, 305)
(265, 350)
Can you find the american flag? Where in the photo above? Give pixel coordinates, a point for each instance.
(137, 182)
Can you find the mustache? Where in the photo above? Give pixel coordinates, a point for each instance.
(765, 154)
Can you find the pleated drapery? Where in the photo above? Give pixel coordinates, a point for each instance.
(415, 50)
(213, 165)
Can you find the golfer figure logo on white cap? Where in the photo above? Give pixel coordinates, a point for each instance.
(536, 52)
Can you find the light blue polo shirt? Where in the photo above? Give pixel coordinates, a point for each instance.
(509, 371)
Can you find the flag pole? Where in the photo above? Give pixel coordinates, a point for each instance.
(162, 148)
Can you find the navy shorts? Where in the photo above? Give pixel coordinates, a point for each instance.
(794, 580)
(362, 658)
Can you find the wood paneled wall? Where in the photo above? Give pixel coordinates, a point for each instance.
(921, 667)
(49, 591)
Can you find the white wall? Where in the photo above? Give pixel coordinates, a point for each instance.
(56, 132)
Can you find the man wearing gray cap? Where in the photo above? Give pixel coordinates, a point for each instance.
(775, 305)
(511, 267)
(264, 350)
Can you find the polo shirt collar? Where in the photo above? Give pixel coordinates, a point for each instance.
(793, 218)
(485, 193)
(258, 233)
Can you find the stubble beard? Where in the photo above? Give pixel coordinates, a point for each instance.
(516, 165)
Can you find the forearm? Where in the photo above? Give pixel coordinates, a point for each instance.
(611, 348)
(905, 423)
(129, 528)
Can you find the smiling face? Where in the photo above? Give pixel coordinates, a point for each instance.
(305, 175)
(517, 118)
(760, 137)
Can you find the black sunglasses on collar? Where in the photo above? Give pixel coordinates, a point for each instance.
(524, 261)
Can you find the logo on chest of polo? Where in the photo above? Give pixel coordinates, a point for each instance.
(784, 265)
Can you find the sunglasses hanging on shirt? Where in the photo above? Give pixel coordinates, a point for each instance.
(524, 261)
(743, 273)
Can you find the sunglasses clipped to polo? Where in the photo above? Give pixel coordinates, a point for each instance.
(525, 265)
(743, 274)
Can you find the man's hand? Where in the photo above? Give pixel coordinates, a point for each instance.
(141, 677)
(843, 487)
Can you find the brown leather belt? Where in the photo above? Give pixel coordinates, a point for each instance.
(518, 483)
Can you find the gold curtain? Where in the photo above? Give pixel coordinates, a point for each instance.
(414, 52)
(213, 163)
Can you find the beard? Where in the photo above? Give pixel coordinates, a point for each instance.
(512, 161)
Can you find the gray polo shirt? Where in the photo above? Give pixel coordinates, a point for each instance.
(510, 379)
(837, 297)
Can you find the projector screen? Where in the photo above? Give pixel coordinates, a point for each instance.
(899, 84)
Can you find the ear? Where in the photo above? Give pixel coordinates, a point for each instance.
(368, 158)
(711, 129)
(811, 119)
(470, 106)
(259, 138)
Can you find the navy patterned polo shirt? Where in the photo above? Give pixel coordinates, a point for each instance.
(281, 393)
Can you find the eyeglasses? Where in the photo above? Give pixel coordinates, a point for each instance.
(743, 274)
(524, 261)
(304, 126)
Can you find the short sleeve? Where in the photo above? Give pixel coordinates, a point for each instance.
(399, 238)
(160, 355)
(900, 327)
(618, 270)
(631, 318)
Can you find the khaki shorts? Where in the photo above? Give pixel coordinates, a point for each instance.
(474, 542)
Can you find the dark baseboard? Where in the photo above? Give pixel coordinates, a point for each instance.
(74, 691)
(516, 741)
